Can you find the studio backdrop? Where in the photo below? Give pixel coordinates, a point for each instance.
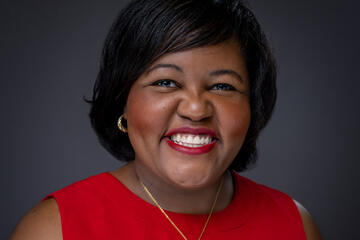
(49, 59)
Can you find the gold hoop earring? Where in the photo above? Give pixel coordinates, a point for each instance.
(120, 125)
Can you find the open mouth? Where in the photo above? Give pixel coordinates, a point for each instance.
(191, 140)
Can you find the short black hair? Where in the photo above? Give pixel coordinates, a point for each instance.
(147, 29)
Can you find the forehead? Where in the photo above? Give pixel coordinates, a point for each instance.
(227, 54)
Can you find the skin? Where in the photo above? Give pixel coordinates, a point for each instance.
(193, 96)
(203, 87)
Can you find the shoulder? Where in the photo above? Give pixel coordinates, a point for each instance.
(269, 202)
(91, 188)
(286, 204)
(311, 230)
(265, 193)
(41, 222)
(44, 220)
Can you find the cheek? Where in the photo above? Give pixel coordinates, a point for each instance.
(146, 114)
(234, 120)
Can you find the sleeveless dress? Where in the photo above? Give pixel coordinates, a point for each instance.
(101, 207)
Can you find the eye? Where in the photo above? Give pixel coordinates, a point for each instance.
(223, 87)
(167, 83)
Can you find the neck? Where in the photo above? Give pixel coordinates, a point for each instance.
(175, 199)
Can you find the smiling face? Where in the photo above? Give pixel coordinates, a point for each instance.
(188, 114)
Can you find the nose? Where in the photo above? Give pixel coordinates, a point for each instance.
(195, 106)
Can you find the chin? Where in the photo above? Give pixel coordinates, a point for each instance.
(190, 177)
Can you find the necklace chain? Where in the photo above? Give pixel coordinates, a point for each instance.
(168, 218)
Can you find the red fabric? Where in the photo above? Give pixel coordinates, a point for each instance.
(101, 207)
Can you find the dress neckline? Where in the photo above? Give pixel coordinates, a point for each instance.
(240, 208)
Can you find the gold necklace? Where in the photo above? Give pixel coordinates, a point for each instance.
(168, 218)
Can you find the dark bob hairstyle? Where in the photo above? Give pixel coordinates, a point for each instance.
(147, 29)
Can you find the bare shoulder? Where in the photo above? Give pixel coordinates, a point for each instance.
(41, 222)
(310, 227)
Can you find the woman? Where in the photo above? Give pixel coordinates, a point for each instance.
(184, 88)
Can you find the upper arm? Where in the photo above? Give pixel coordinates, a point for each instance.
(40, 223)
(311, 230)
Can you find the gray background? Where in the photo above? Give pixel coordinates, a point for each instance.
(49, 59)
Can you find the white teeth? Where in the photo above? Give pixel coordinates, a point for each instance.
(190, 140)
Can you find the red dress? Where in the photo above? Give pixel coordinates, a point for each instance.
(101, 207)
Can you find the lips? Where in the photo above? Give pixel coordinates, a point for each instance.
(192, 141)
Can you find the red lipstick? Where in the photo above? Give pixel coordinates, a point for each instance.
(195, 131)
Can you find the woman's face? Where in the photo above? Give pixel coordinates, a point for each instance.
(188, 114)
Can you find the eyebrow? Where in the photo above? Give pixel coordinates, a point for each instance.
(163, 65)
(213, 73)
(227, 72)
